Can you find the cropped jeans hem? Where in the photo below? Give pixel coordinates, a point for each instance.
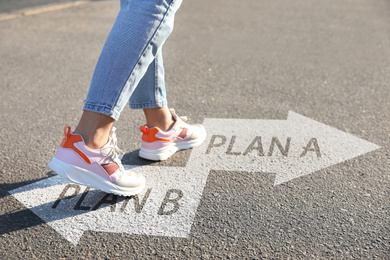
(162, 103)
(102, 109)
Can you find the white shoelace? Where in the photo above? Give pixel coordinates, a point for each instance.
(183, 118)
(119, 152)
(112, 151)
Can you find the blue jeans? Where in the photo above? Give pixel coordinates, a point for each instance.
(130, 67)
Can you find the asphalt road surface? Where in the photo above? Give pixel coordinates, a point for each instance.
(295, 96)
(7, 6)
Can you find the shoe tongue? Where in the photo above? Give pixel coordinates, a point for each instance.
(105, 151)
(179, 124)
(107, 148)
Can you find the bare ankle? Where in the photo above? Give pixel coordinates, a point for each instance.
(94, 128)
(159, 117)
(93, 140)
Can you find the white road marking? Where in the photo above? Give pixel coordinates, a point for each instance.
(39, 10)
(312, 146)
(291, 148)
(154, 217)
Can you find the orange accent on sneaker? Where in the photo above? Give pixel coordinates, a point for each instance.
(69, 140)
(66, 135)
(149, 135)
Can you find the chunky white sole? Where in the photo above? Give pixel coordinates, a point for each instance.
(166, 152)
(84, 177)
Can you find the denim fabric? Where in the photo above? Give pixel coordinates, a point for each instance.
(150, 91)
(130, 67)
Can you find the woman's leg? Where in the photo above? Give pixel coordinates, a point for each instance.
(135, 40)
(139, 31)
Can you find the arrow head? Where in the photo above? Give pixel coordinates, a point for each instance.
(322, 146)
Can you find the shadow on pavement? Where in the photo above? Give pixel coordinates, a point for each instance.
(133, 158)
(5, 187)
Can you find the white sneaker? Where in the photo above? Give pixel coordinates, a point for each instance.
(159, 145)
(97, 168)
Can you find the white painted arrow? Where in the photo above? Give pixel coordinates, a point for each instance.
(166, 207)
(305, 145)
(289, 148)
